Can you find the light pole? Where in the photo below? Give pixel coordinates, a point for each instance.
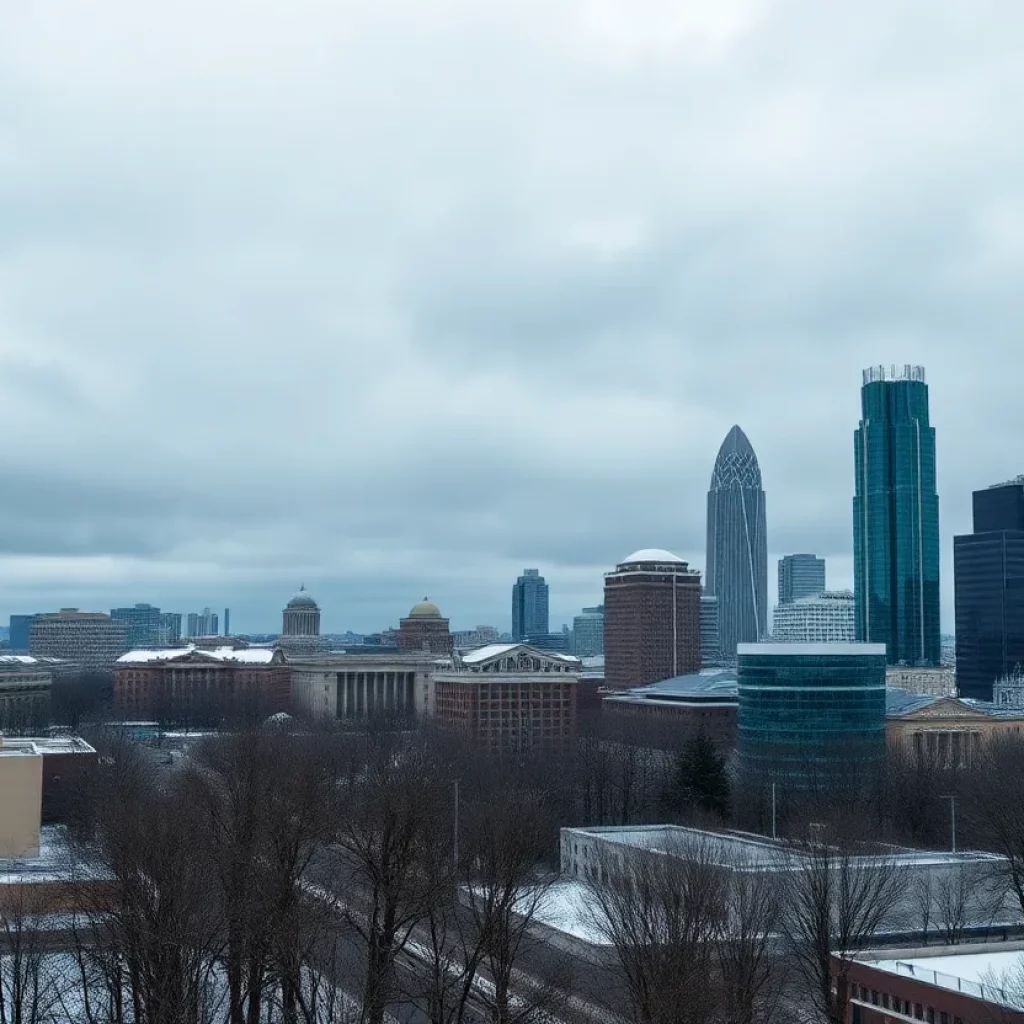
(952, 821)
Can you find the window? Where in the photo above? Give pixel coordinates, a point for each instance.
(874, 997)
(930, 1015)
(918, 1011)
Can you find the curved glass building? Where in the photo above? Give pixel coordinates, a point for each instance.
(810, 714)
(896, 518)
(737, 551)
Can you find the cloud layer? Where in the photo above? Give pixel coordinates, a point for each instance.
(398, 298)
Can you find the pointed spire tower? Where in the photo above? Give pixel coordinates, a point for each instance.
(737, 549)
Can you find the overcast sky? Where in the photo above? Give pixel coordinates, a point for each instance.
(397, 297)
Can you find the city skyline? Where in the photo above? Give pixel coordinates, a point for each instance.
(264, 361)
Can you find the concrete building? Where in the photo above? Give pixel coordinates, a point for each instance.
(988, 570)
(470, 639)
(962, 984)
(810, 715)
(939, 682)
(20, 630)
(825, 618)
(196, 681)
(737, 547)
(710, 656)
(896, 517)
(947, 732)
(90, 639)
(363, 684)
(204, 623)
(21, 799)
(141, 624)
(800, 576)
(25, 684)
(529, 605)
(706, 702)
(652, 619)
(510, 699)
(588, 632)
(425, 629)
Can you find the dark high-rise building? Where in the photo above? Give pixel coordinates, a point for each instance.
(141, 624)
(800, 576)
(810, 715)
(227, 622)
(529, 605)
(651, 620)
(896, 518)
(988, 576)
(21, 627)
(737, 552)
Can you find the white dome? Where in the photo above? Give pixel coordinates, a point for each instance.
(651, 555)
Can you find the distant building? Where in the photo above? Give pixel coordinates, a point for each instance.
(824, 618)
(361, 684)
(21, 628)
(204, 623)
(90, 639)
(588, 632)
(800, 576)
(1009, 691)
(988, 572)
(170, 628)
(25, 684)
(709, 653)
(737, 547)
(193, 681)
(896, 518)
(705, 702)
(939, 682)
(529, 605)
(301, 616)
(810, 714)
(227, 622)
(550, 641)
(141, 624)
(510, 699)
(467, 639)
(424, 629)
(652, 619)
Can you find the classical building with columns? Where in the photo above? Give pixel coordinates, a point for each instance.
(356, 684)
(301, 615)
(424, 629)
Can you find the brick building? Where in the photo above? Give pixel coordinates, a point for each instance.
(652, 620)
(424, 629)
(152, 683)
(510, 698)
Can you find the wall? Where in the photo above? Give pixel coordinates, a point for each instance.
(21, 801)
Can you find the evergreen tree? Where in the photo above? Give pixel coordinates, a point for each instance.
(700, 777)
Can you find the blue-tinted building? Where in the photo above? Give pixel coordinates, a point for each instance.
(141, 623)
(737, 549)
(800, 576)
(529, 605)
(988, 574)
(21, 627)
(588, 632)
(810, 714)
(896, 518)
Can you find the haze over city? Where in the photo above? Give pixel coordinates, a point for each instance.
(398, 299)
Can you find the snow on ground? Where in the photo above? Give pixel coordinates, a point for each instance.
(567, 907)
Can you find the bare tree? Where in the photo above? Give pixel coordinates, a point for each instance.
(834, 901)
(663, 913)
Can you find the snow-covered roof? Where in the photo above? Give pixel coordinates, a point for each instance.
(652, 555)
(15, 660)
(482, 654)
(837, 650)
(985, 974)
(245, 655)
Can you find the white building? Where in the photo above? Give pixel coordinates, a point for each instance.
(822, 619)
(938, 682)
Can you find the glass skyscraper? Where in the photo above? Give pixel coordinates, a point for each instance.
(737, 550)
(896, 518)
(800, 576)
(988, 574)
(529, 605)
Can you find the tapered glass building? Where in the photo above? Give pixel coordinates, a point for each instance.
(896, 518)
(737, 550)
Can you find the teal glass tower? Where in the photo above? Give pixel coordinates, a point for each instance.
(896, 518)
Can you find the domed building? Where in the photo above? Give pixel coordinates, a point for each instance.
(425, 629)
(302, 615)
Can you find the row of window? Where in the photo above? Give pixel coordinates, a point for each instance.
(899, 1005)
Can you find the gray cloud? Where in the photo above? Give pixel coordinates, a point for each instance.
(399, 298)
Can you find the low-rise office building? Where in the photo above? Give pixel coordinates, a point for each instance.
(25, 684)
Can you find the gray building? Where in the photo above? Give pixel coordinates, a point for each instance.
(588, 632)
(823, 618)
(141, 624)
(21, 627)
(529, 605)
(800, 576)
(737, 548)
(204, 623)
(709, 652)
(170, 627)
(90, 639)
